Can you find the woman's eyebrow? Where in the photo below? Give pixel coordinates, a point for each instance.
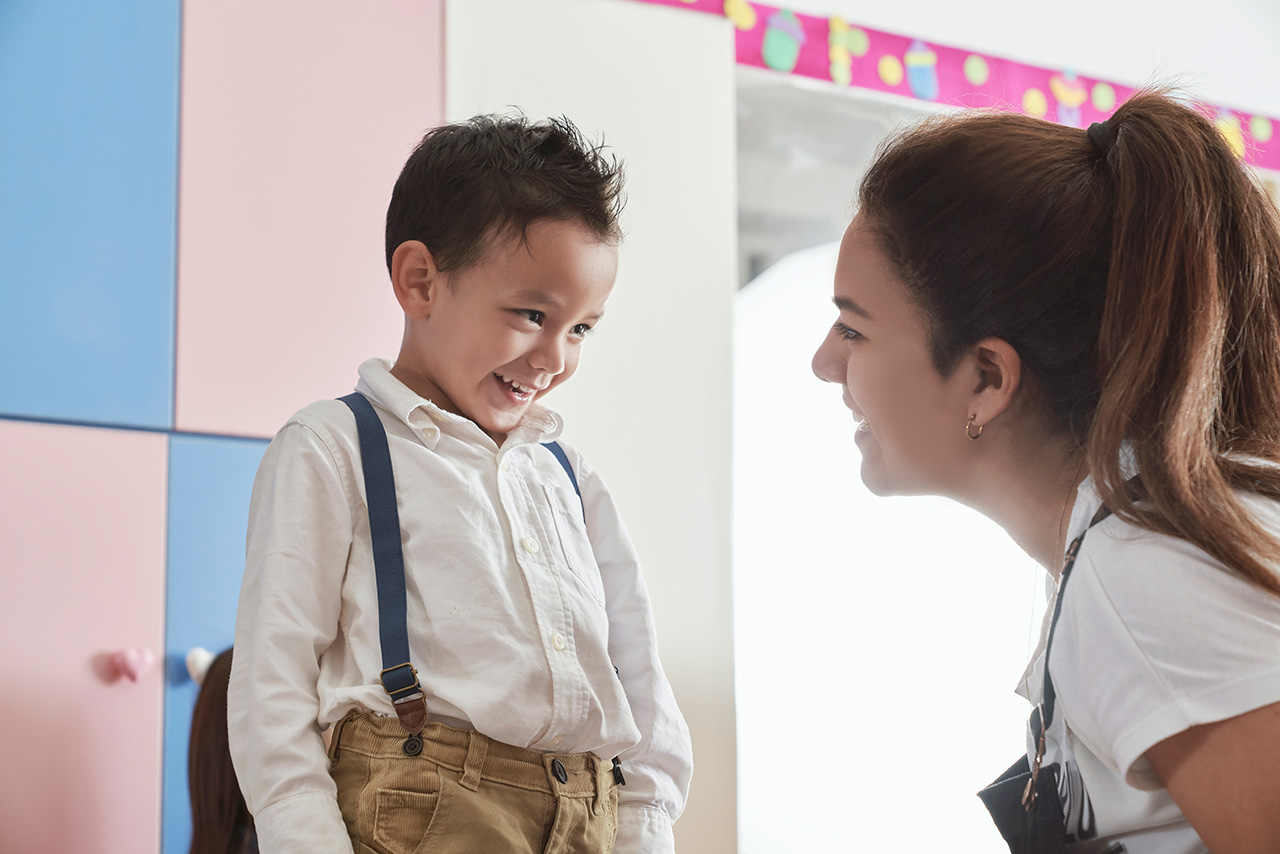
(846, 304)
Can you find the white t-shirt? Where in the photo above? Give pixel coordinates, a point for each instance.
(1154, 637)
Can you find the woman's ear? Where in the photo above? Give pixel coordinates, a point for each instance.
(415, 278)
(999, 370)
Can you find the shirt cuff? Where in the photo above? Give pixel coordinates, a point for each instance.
(644, 830)
(309, 823)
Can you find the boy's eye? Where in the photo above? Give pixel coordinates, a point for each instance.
(846, 332)
(532, 315)
(581, 330)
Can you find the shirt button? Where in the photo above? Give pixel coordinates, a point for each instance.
(558, 640)
(530, 545)
(505, 465)
(557, 741)
(431, 432)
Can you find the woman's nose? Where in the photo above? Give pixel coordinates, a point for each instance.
(827, 365)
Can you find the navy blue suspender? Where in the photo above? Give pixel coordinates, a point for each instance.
(399, 677)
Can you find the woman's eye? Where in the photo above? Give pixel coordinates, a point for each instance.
(846, 332)
(532, 315)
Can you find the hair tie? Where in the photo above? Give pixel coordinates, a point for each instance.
(1102, 135)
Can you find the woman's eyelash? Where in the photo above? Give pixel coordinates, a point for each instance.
(846, 332)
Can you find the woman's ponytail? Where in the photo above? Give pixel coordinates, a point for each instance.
(1189, 345)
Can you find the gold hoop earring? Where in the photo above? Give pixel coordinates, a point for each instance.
(970, 424)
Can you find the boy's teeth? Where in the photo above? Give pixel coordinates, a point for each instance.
(515, 385)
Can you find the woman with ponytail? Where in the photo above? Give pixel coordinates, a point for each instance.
(1078, 332)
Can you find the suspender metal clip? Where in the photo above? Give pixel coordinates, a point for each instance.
(401, 685)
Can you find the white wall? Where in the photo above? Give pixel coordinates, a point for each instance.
(1226, 52)
(651, 405)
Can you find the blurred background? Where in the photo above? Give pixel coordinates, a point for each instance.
(191, 206)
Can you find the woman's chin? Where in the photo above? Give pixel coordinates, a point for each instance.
(878, 487)
(878, 477)
(874, 478)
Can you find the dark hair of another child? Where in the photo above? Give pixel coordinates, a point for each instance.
(466, 183)
(220, 821)
(1139, 282)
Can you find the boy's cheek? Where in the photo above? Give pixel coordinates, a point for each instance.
(570, 368)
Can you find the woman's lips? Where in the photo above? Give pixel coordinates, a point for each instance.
(857, 413)
(864, 426)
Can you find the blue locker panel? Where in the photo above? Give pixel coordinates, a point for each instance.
(210, 480)
(88, 208)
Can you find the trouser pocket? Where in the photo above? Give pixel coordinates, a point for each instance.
(388, 804)
(402, 820)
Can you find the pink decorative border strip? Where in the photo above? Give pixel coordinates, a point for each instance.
(843, 54)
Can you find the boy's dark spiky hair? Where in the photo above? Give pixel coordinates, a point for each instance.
(468, 182)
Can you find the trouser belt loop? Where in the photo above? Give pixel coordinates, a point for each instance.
(335, 737)
(597, 802)
(477, 751)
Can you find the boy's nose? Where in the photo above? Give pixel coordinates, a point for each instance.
(549, 356)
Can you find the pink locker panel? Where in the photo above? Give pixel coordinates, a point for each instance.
(82, 569)
(296, 119)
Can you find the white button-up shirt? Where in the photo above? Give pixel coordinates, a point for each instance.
(518, 613)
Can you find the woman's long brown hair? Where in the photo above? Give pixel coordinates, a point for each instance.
(220, 821)
(1140, 284)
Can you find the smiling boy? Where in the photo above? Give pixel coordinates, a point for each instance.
(528, 623)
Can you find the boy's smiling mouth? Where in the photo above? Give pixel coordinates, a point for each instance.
(520, 392)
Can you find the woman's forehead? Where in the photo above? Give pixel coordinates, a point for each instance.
(867, 286)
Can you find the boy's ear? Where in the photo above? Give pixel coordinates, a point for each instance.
(999, 370)
(415, 278)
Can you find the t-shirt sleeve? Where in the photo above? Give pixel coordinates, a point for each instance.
(1155, 637)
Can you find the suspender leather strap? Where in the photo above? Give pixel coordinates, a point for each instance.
(399, 677)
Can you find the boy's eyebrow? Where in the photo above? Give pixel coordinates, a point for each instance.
(533, 296)
(846, 304)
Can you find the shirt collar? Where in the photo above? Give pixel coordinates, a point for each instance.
(539, 424)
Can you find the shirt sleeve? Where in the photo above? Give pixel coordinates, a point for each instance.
(1156, 637)
(659, 768)
(300, 532)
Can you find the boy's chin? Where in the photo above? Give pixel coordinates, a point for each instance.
(498, 428)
